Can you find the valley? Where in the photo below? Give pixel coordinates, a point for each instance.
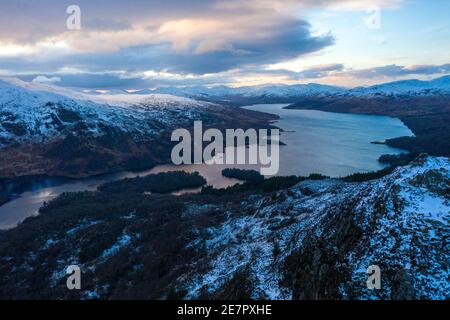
(235, 157)
(309, 233)
(307, 135)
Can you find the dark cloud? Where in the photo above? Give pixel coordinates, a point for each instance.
(116, 81)
(93, 81)
(290, 40)
(30, 20)
(130, 37)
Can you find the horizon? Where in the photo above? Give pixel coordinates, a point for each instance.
(211, 43)
(134, 90)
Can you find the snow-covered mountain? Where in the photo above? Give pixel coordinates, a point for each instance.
(37, 112)
(282, 91)
(39, 121)
(269, 91)
(406, 87)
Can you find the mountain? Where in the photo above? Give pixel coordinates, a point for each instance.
(46, 129)
(39, 113)
(269, 91)
(406, 87)
(283, 93)
(314, 240)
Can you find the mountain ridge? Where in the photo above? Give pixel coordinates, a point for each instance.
(413, 87)
(46, 129)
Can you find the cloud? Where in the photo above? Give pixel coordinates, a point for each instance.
(181, 36)
(199, 41)
(331, 73)
(398, 71)
(181, 47)
(316, 72)
(146, 80)
(29, 21)
(44, 79)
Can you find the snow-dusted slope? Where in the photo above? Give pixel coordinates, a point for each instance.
(318, 239)
(38, 112)
(49, 130)
(270, 91)
(399, 88)
(56, 131)
(315, 240)
(406, 87)
(51, 92)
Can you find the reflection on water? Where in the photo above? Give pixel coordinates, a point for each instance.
(316, 142)
(28, 203)
(332, 144)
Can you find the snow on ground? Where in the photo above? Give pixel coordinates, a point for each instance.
(123, 241)
(404, 223)
(39, 112)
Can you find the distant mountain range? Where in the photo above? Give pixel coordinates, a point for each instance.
(276, 90)
(398, 88)
(406, 87)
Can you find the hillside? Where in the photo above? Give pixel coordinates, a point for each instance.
(55, 131)
(314, 240)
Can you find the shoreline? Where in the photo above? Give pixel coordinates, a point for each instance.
(427, 118)
(42, 181)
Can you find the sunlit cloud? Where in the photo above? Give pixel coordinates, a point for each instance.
(14, 49)
(48, 47)
(199, 42)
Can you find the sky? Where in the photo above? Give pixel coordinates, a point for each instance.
(139, 44)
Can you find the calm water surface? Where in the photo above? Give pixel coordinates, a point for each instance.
(333, 144)
(316, 142)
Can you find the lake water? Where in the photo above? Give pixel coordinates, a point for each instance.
(333, 144)
(316, 142)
